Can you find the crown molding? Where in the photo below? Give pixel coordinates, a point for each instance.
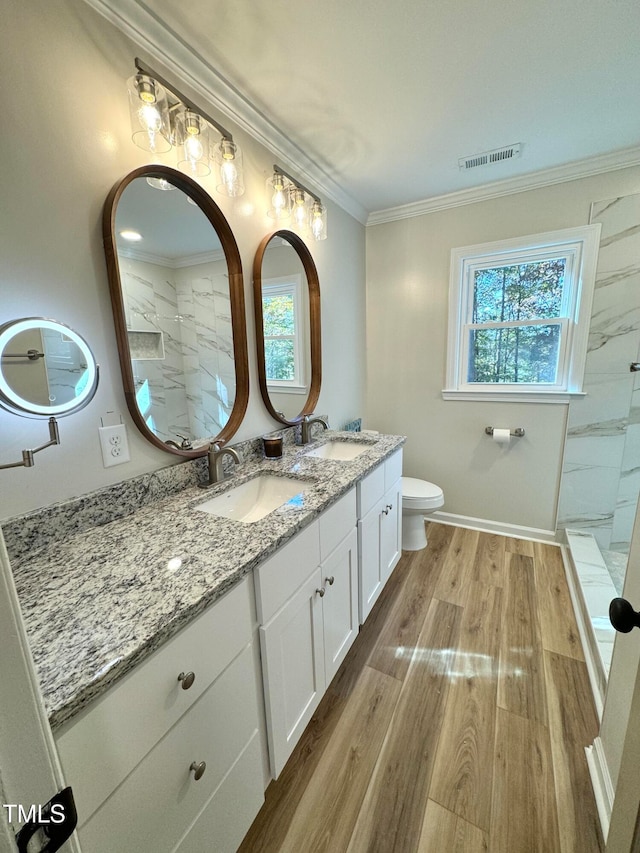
(173, 263)
(161, 43)
(534, 180)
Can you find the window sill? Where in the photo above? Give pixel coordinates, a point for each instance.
(288, 389)
(558, 397)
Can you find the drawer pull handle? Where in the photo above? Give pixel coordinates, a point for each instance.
(386, 510)
(330, 580)
(198, 769)
(389, 506)
(321, 592)
(187, 679)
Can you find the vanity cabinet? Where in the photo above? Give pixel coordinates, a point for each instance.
(307, 603)
(135, 756)
(379, 530)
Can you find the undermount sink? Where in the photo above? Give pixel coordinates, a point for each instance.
(342, 451)
(254, 499)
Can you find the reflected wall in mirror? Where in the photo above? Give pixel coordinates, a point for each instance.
(177, 295)
(287, 312)
(46, 368)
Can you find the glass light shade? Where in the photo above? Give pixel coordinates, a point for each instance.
(228, 159)
(193, 137)
(279, 196)
(149, 113)
(300, 202)
(160, 184)
(318, 221)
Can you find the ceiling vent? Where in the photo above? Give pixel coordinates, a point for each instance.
(488, 158)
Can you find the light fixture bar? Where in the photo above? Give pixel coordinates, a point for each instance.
(145, 69)
(296, 183)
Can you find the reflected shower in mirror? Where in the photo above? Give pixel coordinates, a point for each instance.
(287, 306)
(178, 285)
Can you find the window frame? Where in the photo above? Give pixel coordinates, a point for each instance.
(283, 286)
(580, 247)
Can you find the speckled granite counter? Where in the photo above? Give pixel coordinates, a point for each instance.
(97, 603)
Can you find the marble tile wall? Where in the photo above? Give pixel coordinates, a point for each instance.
(601, 473)
(191, 389)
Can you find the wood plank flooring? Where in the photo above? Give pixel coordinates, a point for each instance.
(457, 722)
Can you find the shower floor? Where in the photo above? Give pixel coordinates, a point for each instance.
(616, 564)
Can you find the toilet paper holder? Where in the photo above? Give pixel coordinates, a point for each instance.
(518, 432)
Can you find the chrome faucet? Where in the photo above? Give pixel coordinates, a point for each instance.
(185, 444)
(307, 422)
(216, 457)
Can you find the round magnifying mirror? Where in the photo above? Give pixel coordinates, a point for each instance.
(46, 368)
(287, 312)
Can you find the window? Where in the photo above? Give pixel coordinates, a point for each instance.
(282, 311)
(519, 315)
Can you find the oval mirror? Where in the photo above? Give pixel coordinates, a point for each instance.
(45, 368)
(287, 312)
(177, 294)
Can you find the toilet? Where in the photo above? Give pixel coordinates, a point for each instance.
(419, 498)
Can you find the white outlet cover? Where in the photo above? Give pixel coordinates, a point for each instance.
(114, 445)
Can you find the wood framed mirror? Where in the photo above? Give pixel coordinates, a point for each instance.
(286, 298)
(177, 294)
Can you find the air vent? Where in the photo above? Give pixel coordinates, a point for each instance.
(488, 158)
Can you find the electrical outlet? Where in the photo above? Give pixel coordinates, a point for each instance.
(114, 445)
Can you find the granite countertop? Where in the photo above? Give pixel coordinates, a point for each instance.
(98, 603)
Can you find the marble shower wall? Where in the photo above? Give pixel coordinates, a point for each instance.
(186, 383)
(601, 472)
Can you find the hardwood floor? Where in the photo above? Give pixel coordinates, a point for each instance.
(457, 722)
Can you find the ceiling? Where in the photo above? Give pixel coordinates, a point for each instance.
(385, 97)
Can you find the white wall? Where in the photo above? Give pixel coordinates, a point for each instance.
(407, 302)
(65, 145)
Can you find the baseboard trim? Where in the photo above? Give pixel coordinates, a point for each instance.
(485, 525)
(601, 782)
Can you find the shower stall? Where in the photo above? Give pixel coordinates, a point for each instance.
(601, 470)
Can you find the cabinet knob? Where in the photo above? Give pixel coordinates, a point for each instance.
(321, 592)
(187, 679)
(198, 769)
(331, 580)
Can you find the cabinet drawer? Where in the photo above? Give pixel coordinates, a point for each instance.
(160, 799)
(370, 490)
(104, 743)
(392, 470)
(336, 523)
(280, 576)
(227, 818)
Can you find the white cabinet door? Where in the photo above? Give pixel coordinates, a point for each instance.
(293, 669)
(379, 547)
(340, 603)
(391, 531)
(369, 560)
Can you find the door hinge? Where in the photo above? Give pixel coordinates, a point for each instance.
(53, 823)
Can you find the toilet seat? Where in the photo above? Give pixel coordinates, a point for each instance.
(420, 494)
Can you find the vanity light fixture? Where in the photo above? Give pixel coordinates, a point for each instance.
(163, 118)
(160, 184)
(319, 221)
(279, 195)
(149, 113)
(288, 196)
(192, 135)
